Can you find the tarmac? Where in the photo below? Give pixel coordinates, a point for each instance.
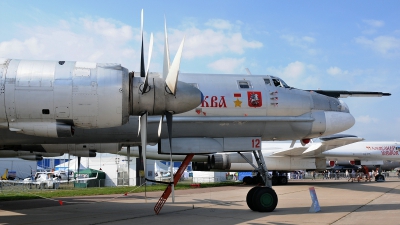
(341, 202)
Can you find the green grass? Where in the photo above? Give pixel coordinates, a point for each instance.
(69, 191)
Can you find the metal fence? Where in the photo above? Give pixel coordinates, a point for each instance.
(341, 175)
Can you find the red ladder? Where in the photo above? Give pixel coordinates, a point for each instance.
(178, 175)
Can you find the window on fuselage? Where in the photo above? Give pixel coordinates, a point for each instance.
(267, 81)
(244, 84)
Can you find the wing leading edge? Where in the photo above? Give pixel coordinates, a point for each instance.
(345, 94)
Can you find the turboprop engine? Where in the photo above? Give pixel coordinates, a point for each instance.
(49, 98)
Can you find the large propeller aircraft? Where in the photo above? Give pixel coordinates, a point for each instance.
(79, 108)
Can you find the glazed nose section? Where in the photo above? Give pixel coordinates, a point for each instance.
(337, 122)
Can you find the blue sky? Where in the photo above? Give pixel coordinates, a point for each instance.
(335, 45)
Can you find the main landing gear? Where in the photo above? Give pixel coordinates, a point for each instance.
(261, 198)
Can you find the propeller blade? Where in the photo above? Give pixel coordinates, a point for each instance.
(166, 52)
(79, 163)
(169, 126)
(160, 128)
(168, 115)
(141, 161)
(143, 135)
(142, 72)
(138, 132)
(146, 79)
(173, 73)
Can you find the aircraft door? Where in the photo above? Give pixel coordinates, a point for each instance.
(271, 99)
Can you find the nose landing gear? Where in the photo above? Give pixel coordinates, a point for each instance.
(261, 198)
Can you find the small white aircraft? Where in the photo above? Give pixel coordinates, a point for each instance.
(46, 180)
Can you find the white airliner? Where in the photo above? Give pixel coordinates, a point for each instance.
(281, 157)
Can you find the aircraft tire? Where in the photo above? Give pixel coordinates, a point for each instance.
(282, 180)
(379, 178)
(264, 199)
(249, 198)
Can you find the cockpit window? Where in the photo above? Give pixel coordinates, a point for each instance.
(279, 83)
(267, 81)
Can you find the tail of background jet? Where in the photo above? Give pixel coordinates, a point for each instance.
(4, 177)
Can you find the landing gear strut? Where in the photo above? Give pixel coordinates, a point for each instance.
(261, 198)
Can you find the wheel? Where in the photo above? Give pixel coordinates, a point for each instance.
(282, 180)
(249, 198)
(264, 199)
(379, 178)
(247, 180)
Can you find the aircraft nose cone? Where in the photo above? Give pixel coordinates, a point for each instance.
(337, 122)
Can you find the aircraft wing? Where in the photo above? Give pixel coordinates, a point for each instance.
(345, 94)
(19, 182)
(331, 142)
(84, 179)
(291, 152)
(327, 143)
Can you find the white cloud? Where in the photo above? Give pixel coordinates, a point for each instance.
(292, 70)
(227, 65)
(374, 23)
(301, 42)
(108, 29)
(30, 46)
(383, 44)
(107, 40)
(83, 39)
(298, 74)
(220, 24)
(336, 71)
(208, 42)
(366, 119)
(372, 26)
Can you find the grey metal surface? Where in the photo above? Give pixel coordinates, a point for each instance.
(280, 113)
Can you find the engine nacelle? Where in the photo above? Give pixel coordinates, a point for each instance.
(87, 153)
(87, 95)
(46, 98)
(27, 155)
(220, 162)
(31, 157)
(225, 161)
(43, 129)
(201, 166)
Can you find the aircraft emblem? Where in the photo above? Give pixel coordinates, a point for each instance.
(254, 98)
(237, 102)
